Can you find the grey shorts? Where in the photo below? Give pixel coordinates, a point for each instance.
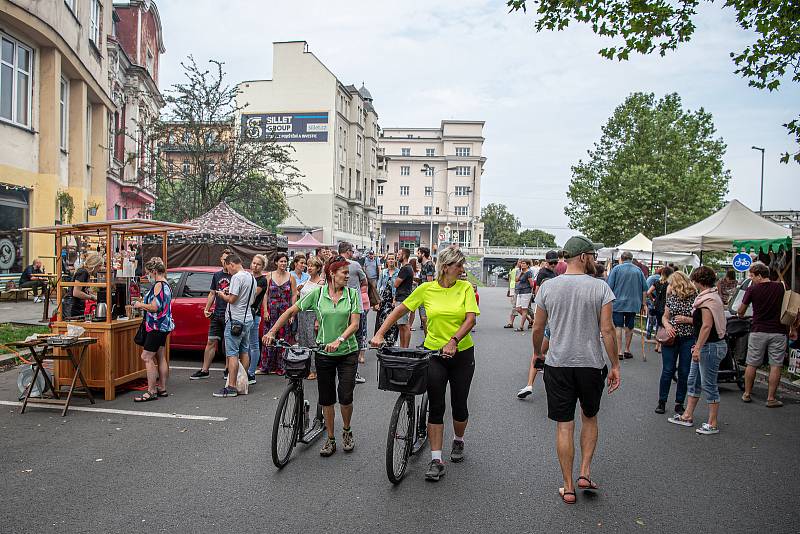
(759, 343)
(402, 320)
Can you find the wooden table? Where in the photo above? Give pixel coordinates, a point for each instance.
(46, 353)
(48, 289)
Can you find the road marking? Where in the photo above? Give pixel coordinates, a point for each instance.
(121, 412)
(179, 368)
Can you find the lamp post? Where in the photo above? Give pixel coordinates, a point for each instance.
(761, 202)
(428, 168)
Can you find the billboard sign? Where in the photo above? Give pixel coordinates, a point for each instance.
(295, 127)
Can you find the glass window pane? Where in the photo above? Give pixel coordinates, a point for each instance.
(23, 59)
(8, 51)
(22, 98)
(6, 88)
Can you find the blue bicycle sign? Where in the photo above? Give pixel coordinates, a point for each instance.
(742, 262)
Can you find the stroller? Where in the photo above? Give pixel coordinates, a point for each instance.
(731, 369)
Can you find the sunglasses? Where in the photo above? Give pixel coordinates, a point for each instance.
(592, 254)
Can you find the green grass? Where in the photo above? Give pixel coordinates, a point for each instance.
(10, 333)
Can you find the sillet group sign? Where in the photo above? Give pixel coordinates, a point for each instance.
(303, 127)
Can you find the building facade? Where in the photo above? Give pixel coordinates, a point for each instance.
(433, 186)
(135, 45)
(333, 129)
(54, 115)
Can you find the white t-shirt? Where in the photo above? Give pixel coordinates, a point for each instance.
(242, 284)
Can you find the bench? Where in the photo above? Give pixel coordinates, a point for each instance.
(8, 287)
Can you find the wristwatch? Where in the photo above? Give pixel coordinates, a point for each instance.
(340, 339)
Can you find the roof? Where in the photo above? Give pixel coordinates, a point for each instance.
(308, 241)
(127, 226)
(224, 220)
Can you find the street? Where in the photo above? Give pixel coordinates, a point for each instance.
(123, 472)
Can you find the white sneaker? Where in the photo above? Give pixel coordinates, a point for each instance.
(524, 392)
(707, 429)
(677, 419)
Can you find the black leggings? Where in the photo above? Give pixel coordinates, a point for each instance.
(457, 370)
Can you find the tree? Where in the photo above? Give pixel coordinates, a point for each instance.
(197, 157)
(536, 238)
(652, 155)
(500, 226)
(649, 25)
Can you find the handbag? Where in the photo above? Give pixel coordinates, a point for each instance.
(141, 333)
(663, 337)
(238, 327)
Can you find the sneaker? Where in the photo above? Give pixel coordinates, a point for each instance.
(226, 392)
(329, 448)
(524, 392)
(225, 375)
(261, 372)
(360, 379)
(662, 407)
(199, 375)
(251, 379)
(773, 403)
(707, 429)
(679, 409)
(627, 355)
(677, 420)
(435, 471)
(457, 453)
(348, 443)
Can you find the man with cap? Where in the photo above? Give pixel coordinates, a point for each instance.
(546, 272)
(578, 309)
(630, 288)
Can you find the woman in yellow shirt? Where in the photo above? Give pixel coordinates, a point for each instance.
(451, 308)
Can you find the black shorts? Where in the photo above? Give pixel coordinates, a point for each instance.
(216, 327)
(328, 367)
(567, 385)
(154, 340)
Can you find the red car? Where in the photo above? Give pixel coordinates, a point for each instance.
(190, 287)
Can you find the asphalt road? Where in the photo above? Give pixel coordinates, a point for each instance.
(100, 472)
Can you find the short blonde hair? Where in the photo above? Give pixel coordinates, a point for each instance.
(681, 285)
(262, 259)
(448, 257)
(316, 262)
(93, 261)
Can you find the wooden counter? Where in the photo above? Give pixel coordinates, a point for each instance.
(114, 360)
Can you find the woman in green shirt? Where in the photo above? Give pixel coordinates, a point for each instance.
(452, 308)
(338, 310)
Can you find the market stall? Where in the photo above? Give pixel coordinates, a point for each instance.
(114, 359)
(220, 228)
(307, 243)
(642, 249)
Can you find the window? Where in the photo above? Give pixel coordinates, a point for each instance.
(430, 152)
(405, 170)
(170, 167)
(428, 191)
(463, 171)
(428, 210)
(187, 167)
(116, 211)
(341, 177)
(349, 225)
(63, 98)
(462, 151)
(403, 210)
(462, 190)
(380, 209)
(197, 284)
(88, 134)
(359, 144)
(380, 190)
(337, 221)
(404, 190)
(429, 171)
(405, 151)
(16, 63)
(462, 210)
(94, 22)
(124, 213)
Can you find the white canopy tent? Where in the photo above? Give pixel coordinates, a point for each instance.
(734, 222)
(642, 250)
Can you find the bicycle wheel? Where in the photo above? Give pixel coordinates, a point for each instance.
(421, 424)
(285, 427)
(400, 439)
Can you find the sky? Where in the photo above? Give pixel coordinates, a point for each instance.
(544, 96)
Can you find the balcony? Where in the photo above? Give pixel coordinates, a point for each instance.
(354, 198)
(381, 177)
(371, 204)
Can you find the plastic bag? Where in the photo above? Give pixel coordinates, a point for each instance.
(75, 330)
(242, 383)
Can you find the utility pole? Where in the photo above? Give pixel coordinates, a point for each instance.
(761, 202)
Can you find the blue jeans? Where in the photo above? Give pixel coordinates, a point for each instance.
(679, 354)
(235, 346)
(703, 374)
(254, 346)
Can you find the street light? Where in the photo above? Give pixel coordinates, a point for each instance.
(761, 203)
(427, 168)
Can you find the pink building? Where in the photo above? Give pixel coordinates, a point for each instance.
(134, 49)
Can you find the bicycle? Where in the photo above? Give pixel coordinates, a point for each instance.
(404, 371)
(292, 422)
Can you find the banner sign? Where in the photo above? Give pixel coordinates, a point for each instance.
(301, 127)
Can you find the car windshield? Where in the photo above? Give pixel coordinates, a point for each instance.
(172, 280)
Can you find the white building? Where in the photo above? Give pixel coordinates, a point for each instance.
(433, 185)
(333, 129)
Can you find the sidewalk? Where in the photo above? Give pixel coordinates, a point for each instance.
(25, 312)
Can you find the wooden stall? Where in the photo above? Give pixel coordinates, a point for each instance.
(115, 358)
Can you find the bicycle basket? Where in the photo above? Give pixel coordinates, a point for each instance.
(297, 363)
(403, 370)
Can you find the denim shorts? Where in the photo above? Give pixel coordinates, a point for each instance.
(703, 374)
(236, 345)
(624, 319)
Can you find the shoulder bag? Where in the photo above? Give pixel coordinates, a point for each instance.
(663, 337)
(237, 327)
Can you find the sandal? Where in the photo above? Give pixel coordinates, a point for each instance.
(162, 393)
(588, 484)
(565, 496)
(145, 397)
(518, 330)
(509, 325)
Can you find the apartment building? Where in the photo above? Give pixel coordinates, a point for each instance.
(333, 130)
(135, 45)
(433, 186)
(54, 114)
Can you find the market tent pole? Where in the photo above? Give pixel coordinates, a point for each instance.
(109, 266)
(59, 311)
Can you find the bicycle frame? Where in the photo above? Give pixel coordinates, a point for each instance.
(309, 430)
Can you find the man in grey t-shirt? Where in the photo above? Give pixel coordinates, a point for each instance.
(578, 308)
(357, 280)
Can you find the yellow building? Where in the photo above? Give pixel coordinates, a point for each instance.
(54, 120)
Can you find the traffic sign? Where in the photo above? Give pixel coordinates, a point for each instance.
(441, 236)
(742, 262)
(455, 236)
(447, 229)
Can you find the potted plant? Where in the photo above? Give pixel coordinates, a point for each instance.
(66, 206)
(92, 207)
